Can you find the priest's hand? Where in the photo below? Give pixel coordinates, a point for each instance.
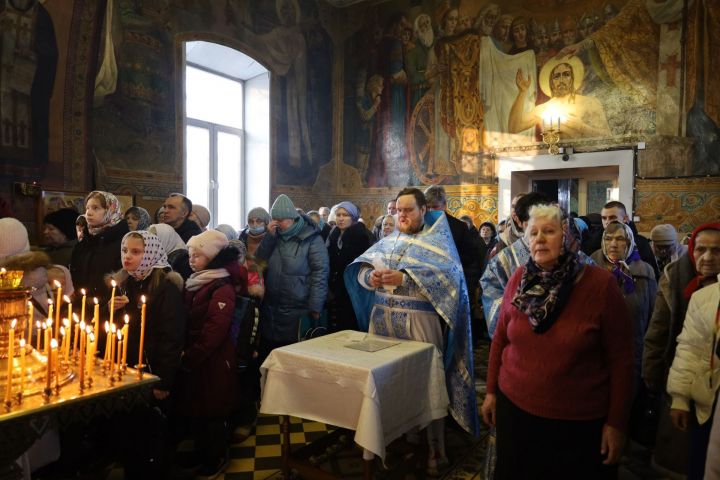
(376, 278)
(488, 409)
(679, 418)
(392, 278)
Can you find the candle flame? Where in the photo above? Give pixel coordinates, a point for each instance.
(29, 303)
(14, 323)
(75, 318)
(57, 284)
(2, 271)
(82, 290)
(37, 324)
(66, 299)
(95, 300)
(142, 299)
(53, 343)
(62, 331)
(66, 322)
(92, 336)
(119, 335)
(127, 318)
(113, 283)
(82, 325)
(50, 301)
(113, 328)
(89, 330)
(107, 326)
(45, 326)
(22, 343)
(49, 322)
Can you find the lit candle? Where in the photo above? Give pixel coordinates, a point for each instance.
(11, 353)
(96, 318)
(142, 336)
(50, 316)
(31, 313)
(39, 326)
(112, 301)
(125, 342)
(113, 332)
(47, 337)
(81, 358)
(56, 363)
(120, 343)
(82, 313)
(57, 313)
(92, 346)
(65, 344)
(49, 365)
(63, 337)
(22, 364)
(107, 342)
(76, 339)
(69, 305)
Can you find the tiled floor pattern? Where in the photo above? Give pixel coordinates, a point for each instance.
(259, 457)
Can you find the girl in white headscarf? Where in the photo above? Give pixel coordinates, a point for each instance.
(146, 272)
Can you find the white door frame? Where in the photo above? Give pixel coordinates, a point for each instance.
(623, 159)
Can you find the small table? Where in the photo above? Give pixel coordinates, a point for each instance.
(380, 395)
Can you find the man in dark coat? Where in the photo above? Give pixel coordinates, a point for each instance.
(467, 248)
(616, 212)
(176, 210)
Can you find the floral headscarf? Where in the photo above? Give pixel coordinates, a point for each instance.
(113, 213)
(153, 257)
(620, 268)
(542, 294)
(695, 283)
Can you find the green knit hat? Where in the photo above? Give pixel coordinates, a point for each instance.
(283, 208)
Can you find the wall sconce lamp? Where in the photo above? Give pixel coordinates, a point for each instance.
(551, 133)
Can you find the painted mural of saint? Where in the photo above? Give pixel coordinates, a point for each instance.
(582, 116)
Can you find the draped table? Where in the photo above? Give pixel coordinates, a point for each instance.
(380, 394)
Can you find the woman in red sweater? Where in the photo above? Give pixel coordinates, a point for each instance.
(561, 363)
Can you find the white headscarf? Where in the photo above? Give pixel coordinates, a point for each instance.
(168, 237)
(153, 257)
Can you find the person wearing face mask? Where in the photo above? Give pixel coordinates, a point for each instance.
(296, 276)
(257, 222)
(680, 279)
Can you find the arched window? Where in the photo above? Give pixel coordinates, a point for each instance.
(226, 119)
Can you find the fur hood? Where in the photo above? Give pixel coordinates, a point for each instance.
(26, 261)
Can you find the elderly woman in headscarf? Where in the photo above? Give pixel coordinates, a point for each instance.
(560, 369)
(636, 280)
(137, 218)
(98, 254)
(389, 225)
(347, 241)
(175, 248)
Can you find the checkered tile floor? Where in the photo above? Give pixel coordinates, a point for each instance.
(259, 456)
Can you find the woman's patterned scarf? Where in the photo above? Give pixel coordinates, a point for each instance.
(542, 294)
(154, 256)
(621, 268)
(113, 213)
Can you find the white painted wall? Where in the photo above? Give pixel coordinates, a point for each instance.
(623, 159)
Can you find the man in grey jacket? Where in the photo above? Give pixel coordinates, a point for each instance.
(296, 275)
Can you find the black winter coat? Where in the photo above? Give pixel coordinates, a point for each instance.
(164, 327)
(355, 241)
(97, 256)
(468, 250)
(188, 229)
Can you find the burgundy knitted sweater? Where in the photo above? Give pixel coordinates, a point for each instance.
(581, 368)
